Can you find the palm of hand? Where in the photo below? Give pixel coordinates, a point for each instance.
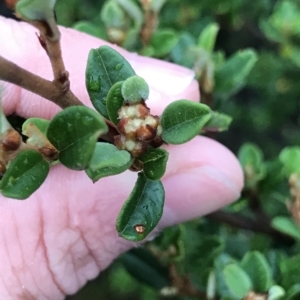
(65, 233)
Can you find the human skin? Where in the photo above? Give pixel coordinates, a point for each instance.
(64, 234)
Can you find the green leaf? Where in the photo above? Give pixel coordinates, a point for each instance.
(36, 131)
(163, 41)
(250, 154)
(114, 102)
(133, 10)
(289, 268)
(207, 251)
(155, 163)
(219, 122)
(208, 36)
(252, 161)
(108, 160)
(90, 28)
(276, 292)
(142, 210)
(156, 5)
(290, 157)
(135, 89)
(220, 262)
(232, 75)
(237, 280)
(286, 225)
(41, 124)
(293, 293)
(25, 174)
(181, 52)
(271, 32)
(172, 237)
(132, 40)
(105, 67)
(35, 9)
(146, 268)
(74, 132)
(211, 285)
(258, 269)
(112, 15)
(182, 120)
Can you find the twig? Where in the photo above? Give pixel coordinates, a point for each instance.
(246, 223)
(12, 73)
(151, 20)
(50, 41)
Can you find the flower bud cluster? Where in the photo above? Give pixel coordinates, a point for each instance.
(10, 142)
(137, 127)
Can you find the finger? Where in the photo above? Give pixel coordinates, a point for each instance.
(202, 176)
(66, 230)
(167, 81)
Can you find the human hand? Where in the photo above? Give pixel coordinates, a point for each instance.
(64, 234)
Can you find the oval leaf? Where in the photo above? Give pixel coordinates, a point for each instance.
(39, 11)
(208, 36)
(38, 140)
(114, 102)
(163, 41)
(108, 160)
(135, 89)
(41, 124)
(25, 174)
(182, 120)
(36, 9)
(74, 132)
(294, 292)
(133, 10)
(90, 28)
(276, 292)
(232, 75)
(237, 280)
(105, 67)
(155, 163)
(286, 225)
(290, 157)
(258, 269)
(146, 268)
(142, 210)
(219, 122)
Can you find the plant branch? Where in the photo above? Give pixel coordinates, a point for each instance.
(52, 91)
(151, 20)
(50, 41)
(246, 223)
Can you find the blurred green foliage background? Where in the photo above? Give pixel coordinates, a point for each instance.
(246, 55)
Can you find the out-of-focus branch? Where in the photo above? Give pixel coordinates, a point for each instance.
(246, 223)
